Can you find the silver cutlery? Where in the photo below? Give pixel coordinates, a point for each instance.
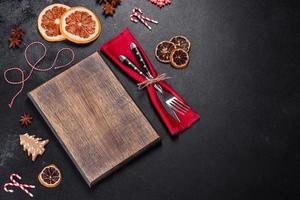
(177, 105)
(169, 100)
(140, 59)
(127, 62)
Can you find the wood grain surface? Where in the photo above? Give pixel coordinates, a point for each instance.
(93, 117)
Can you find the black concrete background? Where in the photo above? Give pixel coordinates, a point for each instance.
(243, 79)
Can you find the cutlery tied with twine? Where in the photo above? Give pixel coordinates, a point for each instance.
(151, 81)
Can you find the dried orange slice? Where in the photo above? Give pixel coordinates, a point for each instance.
(49, 22)
(179, 58)
(50, 176)
(181, 42)
(163, 51)
(80, 25)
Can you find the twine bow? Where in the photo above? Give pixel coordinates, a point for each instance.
(137, 15)
(151, 81)
(16, 184)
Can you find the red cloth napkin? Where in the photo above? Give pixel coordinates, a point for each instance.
(120, 45)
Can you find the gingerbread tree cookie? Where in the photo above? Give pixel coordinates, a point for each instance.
(34, 146)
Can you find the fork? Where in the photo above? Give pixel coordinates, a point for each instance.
(177, 105)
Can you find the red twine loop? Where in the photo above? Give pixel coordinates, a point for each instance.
(137, 15)
(34, 67)
(16, 184)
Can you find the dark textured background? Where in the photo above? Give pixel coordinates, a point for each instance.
(243, 78)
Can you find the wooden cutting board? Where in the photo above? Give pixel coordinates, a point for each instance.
(93, 117)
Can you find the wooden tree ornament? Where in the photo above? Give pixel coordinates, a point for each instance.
(34, 146)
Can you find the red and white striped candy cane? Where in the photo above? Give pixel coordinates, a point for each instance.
(135, 12)
(137, 15)
(16, 184)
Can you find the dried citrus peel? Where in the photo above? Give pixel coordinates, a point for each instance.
(163, 51)
(49, 22)
(80, 25)
(179, 58)
(50, 176)
(174, 52)
(181, 42)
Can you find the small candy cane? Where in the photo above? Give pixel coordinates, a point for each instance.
(34, 67)
(16, 184)
(137, 15)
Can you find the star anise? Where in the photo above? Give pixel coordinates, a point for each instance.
(14, 42)
(17, 32)
(108, 9)
(15, 39)
(109, 6)
(25, 119)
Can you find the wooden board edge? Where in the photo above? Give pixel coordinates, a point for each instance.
(126, 161)
(62, 72)
(146, 148)
(56, 136)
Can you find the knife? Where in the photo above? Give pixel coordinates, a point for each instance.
(141, 61)
(127, 62)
